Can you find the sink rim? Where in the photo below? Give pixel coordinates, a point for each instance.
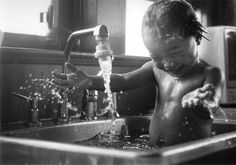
(170, 154)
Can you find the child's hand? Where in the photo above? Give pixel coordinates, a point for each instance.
(77, 80)
(197, 97)
(201, 101)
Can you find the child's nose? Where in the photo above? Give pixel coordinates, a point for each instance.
(169, 64)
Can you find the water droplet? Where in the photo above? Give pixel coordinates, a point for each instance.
(213, 133)
(229, 143)
(179, 134)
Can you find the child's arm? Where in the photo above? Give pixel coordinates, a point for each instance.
(126, 81)
(79, 80)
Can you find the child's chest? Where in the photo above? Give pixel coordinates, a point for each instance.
(171, 89)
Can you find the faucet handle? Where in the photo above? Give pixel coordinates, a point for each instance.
(89, 103)
(22, 96)
(34, 110)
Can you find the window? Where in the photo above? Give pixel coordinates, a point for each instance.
(135, 10)
(23, 16)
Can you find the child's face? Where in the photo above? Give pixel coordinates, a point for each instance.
(175, 57)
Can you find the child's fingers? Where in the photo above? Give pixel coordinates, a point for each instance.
(62, 76)
(60, 82)
(184, 104)
(205, 95)
(197, 101)
(192, 103)
(188, 104)
(72, 77)
(207, 87)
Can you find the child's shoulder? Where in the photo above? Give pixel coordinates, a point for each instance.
(211, 71)
(210, 68)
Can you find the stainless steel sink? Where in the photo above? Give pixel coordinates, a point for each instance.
(54, 144)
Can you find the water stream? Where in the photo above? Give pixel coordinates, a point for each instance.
(106, 71)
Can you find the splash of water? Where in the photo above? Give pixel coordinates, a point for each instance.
(36, 87)
(125, 143)
(44, 89)
(213, 107)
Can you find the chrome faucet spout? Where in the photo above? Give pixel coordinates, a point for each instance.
(100, 33)
(100, 30)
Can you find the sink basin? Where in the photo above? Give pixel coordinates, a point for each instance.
(54, 144)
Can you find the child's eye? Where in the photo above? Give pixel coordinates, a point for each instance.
(158, 64)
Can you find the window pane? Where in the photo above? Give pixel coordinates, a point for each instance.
(134, 15)
(23, 16)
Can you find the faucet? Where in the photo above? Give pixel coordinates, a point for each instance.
(100, 33)
(103, 52)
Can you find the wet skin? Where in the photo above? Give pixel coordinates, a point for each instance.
(182, 81)
(171, 122)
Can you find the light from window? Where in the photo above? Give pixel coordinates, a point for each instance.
(23, 16)
(133, 37)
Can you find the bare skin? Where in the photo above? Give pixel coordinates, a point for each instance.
(183, 82)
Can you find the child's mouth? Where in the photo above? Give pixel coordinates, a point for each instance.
(174, 69)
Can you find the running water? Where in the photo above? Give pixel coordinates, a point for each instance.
(106, 70)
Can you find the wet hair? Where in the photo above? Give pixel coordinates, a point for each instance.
(169, 19)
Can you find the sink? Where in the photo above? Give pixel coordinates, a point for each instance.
(54, 144)
(67, 133)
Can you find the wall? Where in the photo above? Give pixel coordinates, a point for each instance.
(82, 14)
(17, 64)
(217, 12)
